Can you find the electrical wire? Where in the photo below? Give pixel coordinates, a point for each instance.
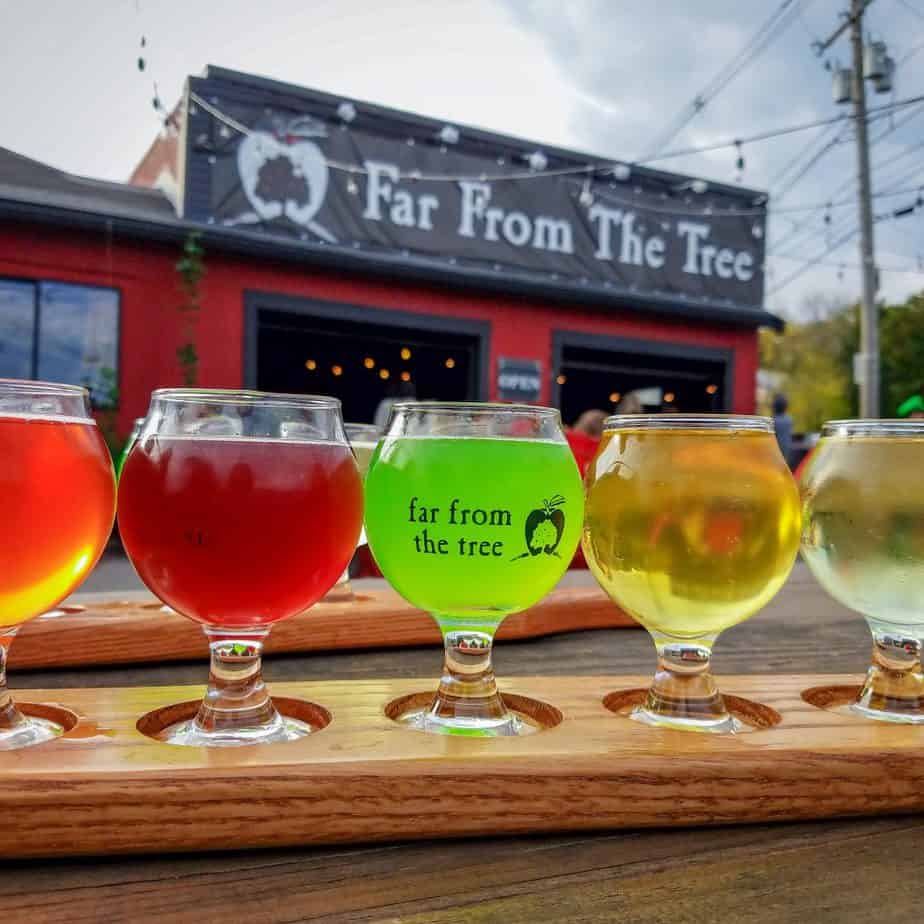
(780, 20)
(588, 169)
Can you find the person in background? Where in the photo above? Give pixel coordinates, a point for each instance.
(397, 391)
(782, 423)
(584, 437)
(631, 404)
(912, 409)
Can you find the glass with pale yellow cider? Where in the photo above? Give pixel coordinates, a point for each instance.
(691, 526)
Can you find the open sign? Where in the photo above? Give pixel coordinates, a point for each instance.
(519, 379)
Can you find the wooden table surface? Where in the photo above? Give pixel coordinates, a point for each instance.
(811, 873)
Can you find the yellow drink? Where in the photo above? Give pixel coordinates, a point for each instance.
(690, 530)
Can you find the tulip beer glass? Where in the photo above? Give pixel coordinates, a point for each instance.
(239, 509)
(863, 538)
(692, 525)
(57, 494)
(473, 511)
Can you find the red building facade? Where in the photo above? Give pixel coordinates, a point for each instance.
(273, 304)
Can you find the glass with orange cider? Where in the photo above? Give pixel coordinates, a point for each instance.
(691, 526)
(57, 494)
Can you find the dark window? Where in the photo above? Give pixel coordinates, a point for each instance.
(61, 332)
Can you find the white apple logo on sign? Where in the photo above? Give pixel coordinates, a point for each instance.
(298, 192)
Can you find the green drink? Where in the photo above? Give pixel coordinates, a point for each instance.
(473, 512)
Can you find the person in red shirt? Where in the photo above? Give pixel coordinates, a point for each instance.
(584, 437)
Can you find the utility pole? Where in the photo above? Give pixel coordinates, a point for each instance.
(866, 366)
(869, 310)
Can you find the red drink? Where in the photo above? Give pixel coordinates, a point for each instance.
(239, 532)
(57, 503)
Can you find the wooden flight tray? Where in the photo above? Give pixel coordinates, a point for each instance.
(107, 788)
(122, 632)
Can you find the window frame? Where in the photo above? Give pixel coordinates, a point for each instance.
(36, 283)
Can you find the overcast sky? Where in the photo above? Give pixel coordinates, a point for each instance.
(606, 76)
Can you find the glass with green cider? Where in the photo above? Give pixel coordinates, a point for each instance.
(473, 512)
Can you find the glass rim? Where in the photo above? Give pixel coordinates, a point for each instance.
(243, 396)
(476, 407)
(36, 387)
(744, 422)
(871, 426)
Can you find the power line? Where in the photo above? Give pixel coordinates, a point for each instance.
(831, 248)
(849, 183)
(774, 26)
(589, 168)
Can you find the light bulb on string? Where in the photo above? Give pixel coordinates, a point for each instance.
(384, 374)
(450, 363)
(369, 362)
(405, 353)
(586, 197)
(405, 376)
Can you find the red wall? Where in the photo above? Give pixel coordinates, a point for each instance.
(151, 326)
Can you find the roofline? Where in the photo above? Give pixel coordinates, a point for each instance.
(432, 125)
(414, 268)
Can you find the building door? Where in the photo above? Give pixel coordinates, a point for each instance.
(362, 355)
(598, 372)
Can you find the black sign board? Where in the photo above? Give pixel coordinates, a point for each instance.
(297, 166)
(518, 379)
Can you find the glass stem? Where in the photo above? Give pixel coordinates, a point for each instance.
(467, 688)
(10, 717)
(683, 686)
(894, 682)
(236, 697)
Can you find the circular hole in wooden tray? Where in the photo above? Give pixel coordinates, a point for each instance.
(153, 723)
(51, 712)
(835, 696)
(752, 716)
(541, 716)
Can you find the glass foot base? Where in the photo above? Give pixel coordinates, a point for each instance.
(508, 726)
(719, 725)
(29, 732)
(189, 734)
(915, 717)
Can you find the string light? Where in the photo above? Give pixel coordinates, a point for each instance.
(384, 374)
(586, 197)
(310, 365)
(369, 362)
(405, 353)
(669, 397)
(450, 363)
(614, 397)
(336, 370)
(538, 162)
(405, 376)
(561, 379)
(346, 112)
(712, 389)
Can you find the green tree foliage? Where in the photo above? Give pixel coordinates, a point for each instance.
(814, 356)
(815, 360)
(901, 335)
